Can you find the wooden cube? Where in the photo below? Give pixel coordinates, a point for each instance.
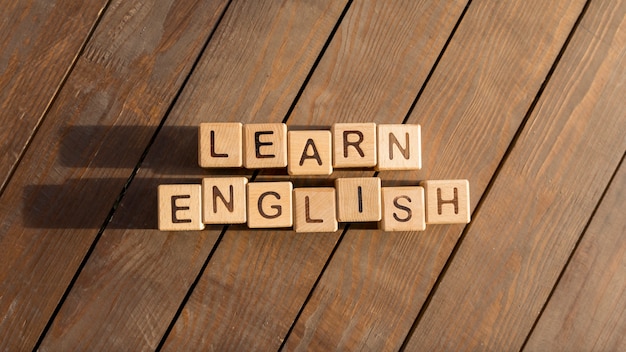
(399, 147)
(270, 204)
(358, 199)
(447, 201)
(220, 144)
(314, 210)
(309, 153)
(265, 145)
(403, 209)
(180, 208)
(354, 145)
(224, 200)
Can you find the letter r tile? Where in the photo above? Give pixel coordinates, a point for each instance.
(354, 145)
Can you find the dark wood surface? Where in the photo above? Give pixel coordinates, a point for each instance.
(100, 104)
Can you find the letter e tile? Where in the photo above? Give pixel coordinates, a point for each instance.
(180, 208)
(265, 145)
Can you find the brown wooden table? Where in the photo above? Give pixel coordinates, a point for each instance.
(100, 103)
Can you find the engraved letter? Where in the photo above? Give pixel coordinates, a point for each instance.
(454, 201)
(315, 155)
(402, 207)
(360, 195)
(346, 143)
(258, 144)
(278, 208)
(307, 211)
(213, 153)
(229, 205)
(176, 208)
(405, 151)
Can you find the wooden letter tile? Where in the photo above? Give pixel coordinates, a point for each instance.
(315, 210)
(220, 144)
(265, 145)
(270, 204)
(310, 153)
(180, 208)
(358, 199)
(399, 147)
(224, 200)
(403, 209)
(354, 145)
(447, 201)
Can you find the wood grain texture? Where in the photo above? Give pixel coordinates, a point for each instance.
(68, 180)
(376, 283)
(137, 276)
(544, 194)
(587, 310)
(40, 40)
(256, 282)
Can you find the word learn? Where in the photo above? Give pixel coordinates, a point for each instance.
(235, 200)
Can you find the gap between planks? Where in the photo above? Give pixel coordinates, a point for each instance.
(130, 178)
(456, 247)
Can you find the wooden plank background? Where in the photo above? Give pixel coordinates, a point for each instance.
(100, 103)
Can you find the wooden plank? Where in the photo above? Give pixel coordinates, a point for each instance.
(39, 43)
(137, 276)
(586, 311)
(256, 282)
(68, 180)
(376, 283)
(543, 196)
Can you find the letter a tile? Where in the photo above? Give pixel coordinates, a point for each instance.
(270, 204)
(224, 200)
(180, 208)
(310, 153)
(220, 144)
(314, 210)
(354, 145)
(399, 147)
(403, 209)
(447, 201)
(358, 199)
(265, 145)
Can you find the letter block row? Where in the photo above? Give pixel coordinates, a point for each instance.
(232, 200)
(347, 145)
